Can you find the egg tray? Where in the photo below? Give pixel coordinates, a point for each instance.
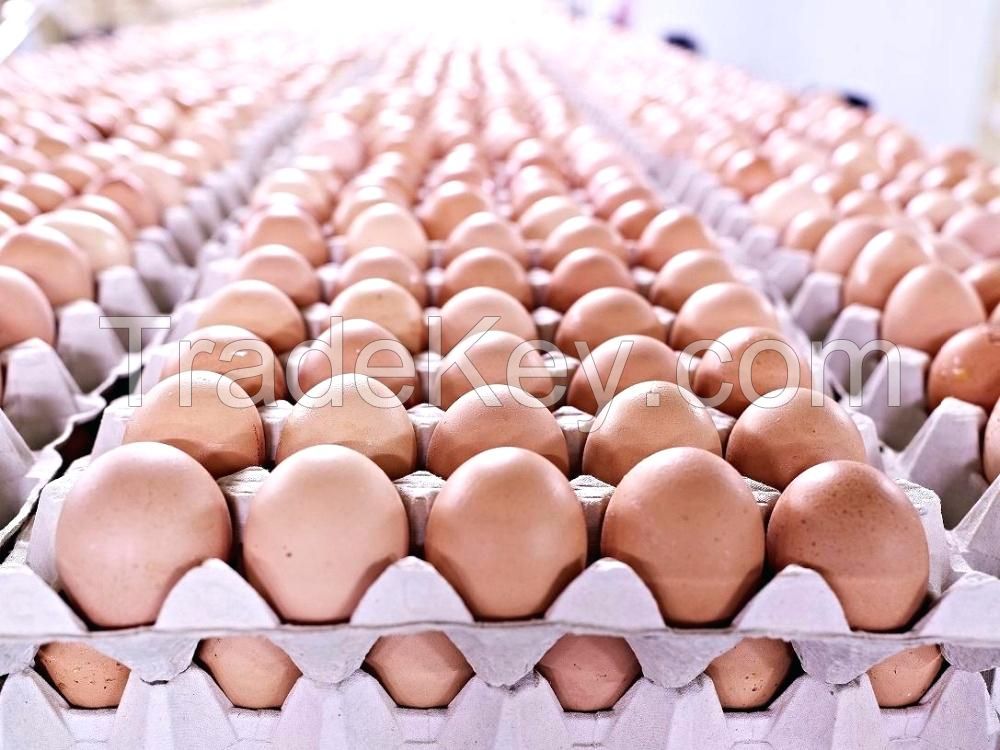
(357, 714)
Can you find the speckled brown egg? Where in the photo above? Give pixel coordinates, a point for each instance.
(508, 533)
(389, 225)
(84, 676)
(321, 528)
(134, 523)
(686, 522)
(777, 439)
(355, 411)
(839, 248)
(632, 217)
(288, 224)
(473, 310)
(641, 358)
(419, 670)
(714, 309)
(672, 231)
(929, 305)
(589, 672)
(494, 416)
(880, 265)
(388, 304)
(807, 229)
(282, 267)
(251, 671)
(485, 230)
(965, 367)
(854, 526)
(53, 261)
(583, 271)
(903, 678)
(751, 673)
(639, 421)
(486, 267)
(259, 307)
(603, 314)
(223, 433)
(578, 232)
(26, 312)
(686, 273)
(985, 278)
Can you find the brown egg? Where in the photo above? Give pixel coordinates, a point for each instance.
(933, 206)
(714, 309)
(287, 224)
(903, 678)
(689, 526)
(132, 194)
(104, 245)
(985, 278)
(25, 312)
(785, 199)
(807, 229)
(52, 260)
(603, 314)
(543, 217)
(162, 175)
(589, 672)
(259, 307)
(775, 442)
(686, 273)
(494, 416)
(632, 217)
(508, 533)
(419, 670)
(118, 558)
(639, 421)
(763, 355)
(283, 268)
(953, 253)
(448, 205)
(355, 411)
(84, 676)
(748, 173)
(45, 190)
(387, 304)
(226, 349)
(484, 230)
(474, 309)
(486, 267)
(389, 225)
(991, 446)
(250, 670)
(360, 198)
(223, 433)
(750, 674)
(929, 305)
(294, 181)
(879, 568)
(965, 367)
(383, 263)
(880, 265)
(864, 203)
(977, 227)
(617, 193)
(840, 246)
(17, 207)
(583, 271)
(106, 209)
(673, 231)
(76, 171)
(976, 189)
(321, 528)
(578, 232)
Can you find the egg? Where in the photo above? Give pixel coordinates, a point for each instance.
(784, 199)
(164, 177)
(929, 305)
(686, 273)
(76, 171)
(45, 190)
(748, 172)
(224, 436)
(484, 230)
(26, 312)
(475, 309)
(389, 225)
(589, 672)
(807, 229)
(953, 253)
(294, 181)
(53, 261)
(985, 278)
(880, 265)
(903, 678)
(104, 245)
(383, 263)
(283, 268)
(288, 224)
(448, 205)
(642, 419)
(494, 416)
(977, 227)
(603, 314)
(714, 309)
(632, 217)
(615, 365)
(933, 206)
(132, 194)
(507, 532)
(879, 568)
(486, 267)
(387, 304)
(84, 676)
(485, 360)
(106, 209)
(251, 671)
(864, 203)
(360, 197)
(583, 271)
(259, 307)
(965, 367)
(673, 231)
(777, 438)
(617, 193)
(419, 670)
(17, 207)
(580, 232)
(686, 522)
(543, 217)
(840, 246)
(761, 356)
(751, 673)
(140, 517)
(226, 349)
(991, 446)
(355, 411)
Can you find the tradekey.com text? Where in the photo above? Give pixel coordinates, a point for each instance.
(253, 360)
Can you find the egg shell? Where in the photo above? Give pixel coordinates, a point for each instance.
(589, 672)
(139, 518)
(965, 367)
(507, 532)
(259, 307)
(45, 190)
(617, 193)
(751, 673)
(580, 232)
(985, 277)
(840, 246)
(687, 523)
(903, 678)
(419, 670)
(672, 231)
(132, 194)
(84, 676)
(977, 227)
(543, 217)
(632, 217)
(389, 225)
(448, 205)
(486, 267)
(953, 253)
(784, 199)
(472, 310)
(355, 411)
(991, 446)
(880, 265)
(602, 314)
(104, 245)
(934, 207)
(284, 268)
(53, 261)
(26, 312)
(714, 309)
(775, 442)
(17, 207)
(106, 209)
(865, 203)
(387, 304)
(250, 670)
(484, 230)
(383, 263)
(807, 229)
(641, 420)
(686, 273)
(303, 186)
(288, 224)
(748, 172)
(583, 271)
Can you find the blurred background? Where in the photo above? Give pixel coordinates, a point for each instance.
(933, 64)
